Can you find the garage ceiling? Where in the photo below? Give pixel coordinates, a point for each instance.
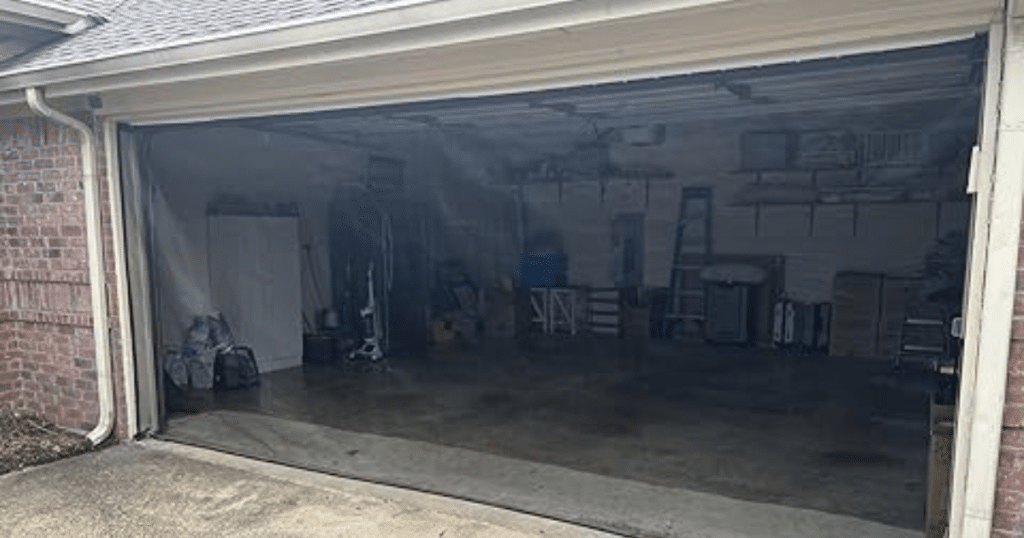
(886, 81)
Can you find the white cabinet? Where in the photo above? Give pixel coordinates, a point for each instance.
(256, 282)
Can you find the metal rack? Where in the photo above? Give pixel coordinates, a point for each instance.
(553, 310)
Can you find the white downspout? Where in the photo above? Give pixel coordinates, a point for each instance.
(97, 271)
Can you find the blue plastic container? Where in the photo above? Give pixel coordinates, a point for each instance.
(543, 270)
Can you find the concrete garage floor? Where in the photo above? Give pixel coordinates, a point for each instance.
(840, 436)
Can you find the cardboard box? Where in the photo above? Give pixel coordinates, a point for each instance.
(856, 314)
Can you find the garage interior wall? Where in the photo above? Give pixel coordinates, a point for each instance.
(472, 193)
(186, 181)
(258, 167)
(817, 240)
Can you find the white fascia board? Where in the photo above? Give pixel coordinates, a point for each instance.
(641, 48)
(595, 41)
(421, 25)
(41, 15)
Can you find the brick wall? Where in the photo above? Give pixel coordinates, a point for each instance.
(1009, 509)
(47, 360)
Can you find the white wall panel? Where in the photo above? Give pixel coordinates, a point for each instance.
(790, 222)
(625, 196)
(897, 222)
(796, 177)
(834, 221)
(664, 200)
(836, 178)
(256, 283)
(735, 223)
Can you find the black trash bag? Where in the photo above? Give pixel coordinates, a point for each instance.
(235, 368)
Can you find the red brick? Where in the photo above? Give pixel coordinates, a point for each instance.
(1011, 470)
(1008, 521)
(1010, 501)
(1013, 439)
(1013, 416)
(1015, 388)
(1017, 358)
(47, 341)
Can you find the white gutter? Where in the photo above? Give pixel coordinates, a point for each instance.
(94, 247)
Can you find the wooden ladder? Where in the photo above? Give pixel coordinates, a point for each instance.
(685, 308)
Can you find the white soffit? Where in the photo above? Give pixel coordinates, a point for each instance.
(38, 15)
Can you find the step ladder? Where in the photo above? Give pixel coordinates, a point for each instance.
(686, 305)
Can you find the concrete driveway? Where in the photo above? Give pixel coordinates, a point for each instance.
(155, 489)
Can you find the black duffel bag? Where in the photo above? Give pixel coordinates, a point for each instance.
(235, 368)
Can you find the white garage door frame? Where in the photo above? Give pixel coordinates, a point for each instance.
(998, 179)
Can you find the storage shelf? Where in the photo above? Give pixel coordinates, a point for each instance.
(850, 202)
(853, 168)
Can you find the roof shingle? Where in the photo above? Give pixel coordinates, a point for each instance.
(89, 7)
(133, 25)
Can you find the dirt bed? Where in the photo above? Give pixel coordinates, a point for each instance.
(26, 440)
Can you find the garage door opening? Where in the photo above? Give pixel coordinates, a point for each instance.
(690, 304)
